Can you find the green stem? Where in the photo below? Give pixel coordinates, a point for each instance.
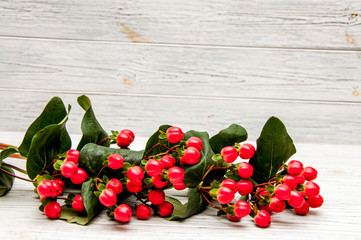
(15, 168)
(24, 179)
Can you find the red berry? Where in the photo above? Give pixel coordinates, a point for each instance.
(247, 151)
(290, 181)
(262, 219)
(156, 196)
(266, 208)
(129, 132)
(282, 191)
(153, 167)
(277, 205)
(52, 210)
(174, 134)
(134, 187)
(233, 218)
(191, 156)
(175, 174)
(78, 204)
(46, 188)
(61, 182)
(167, 161)
(73, 155)
(231, 184)
(79, 177)
(304, 209)
(229, 154)
(179, 186)
(316, 201)
(195, 142)
(261, 192)
(242, 209)
(245, 170)
(225, 195)
(116, 185)
(115, 161)
(123, 213)
(245, 187)
(165, 209)
(108, 197)
(296, 199)
(295, 168)
(124, 140)
(300, 179)
(135, 174)
(311, 189)
(68, 169)
(159, 182)
(143, 212)
(57, 188)
(309, 173)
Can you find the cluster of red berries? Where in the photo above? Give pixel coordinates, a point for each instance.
(125, 138)
(69, 168)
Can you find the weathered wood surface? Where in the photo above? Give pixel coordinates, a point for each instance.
(328, 24)
(339, 178)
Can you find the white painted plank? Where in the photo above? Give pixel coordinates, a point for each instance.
(338, 217)
(144, 69)
(306, 121)
(330, 24)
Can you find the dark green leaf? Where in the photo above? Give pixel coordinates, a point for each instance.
(153, 140)
(6, 181)
(53, 113)
(228, 137)
(46, 145)
(195, 204)
(90, 127)
(274, 147)
(6, 153)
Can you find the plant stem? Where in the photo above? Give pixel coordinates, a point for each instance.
(103, 140)
(206, 173)
(150, 150)
(221, 168)
(101, 170)
(5, 145)
(28, 180)
(15, 168)
(262, 184)
(210, 203)
(139, 199)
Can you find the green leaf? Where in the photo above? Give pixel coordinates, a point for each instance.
(90, 127)
(195, 204)
(274, 147)
(6, 153)
(153, 140)
(6, 181)
(91, 158)
(53, 113)
(228, 137)
(46, 145)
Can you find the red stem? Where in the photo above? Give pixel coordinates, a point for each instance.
(28, 180)
(103, 140)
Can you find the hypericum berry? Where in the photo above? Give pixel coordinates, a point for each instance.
(52, 210)
(116, 185)
(167, 161)
(245, 170)
(46, 188)
(244, 187)
(247, 151)
(123, 213)
(231, 184)
(156, 196)
(282, 191)
(175, 174)
(225, 195)
(316, 201)
(68, 169)
(242, 209)
(73, 155)
(108, 197)
(159, 182)
(57, 187)
(78, 204)
(290, 181)
(309, 173)
(115, 161)
(134, 187)
(165, 209)
(229, 154)
(296, 199)
(277, 205)
(195, 142)
(191, 155)
(266, 208)
(129, 132)
(300, 179)
(179, 186)
(233, 218)
(135, 174)
(261, 192)
(295, 168)
(124, 140)
(304, 209)
(60, 182)
(79, 177)
(143, 212)
(174, 134)
(311, 189)
(262, 219)
(153, 167)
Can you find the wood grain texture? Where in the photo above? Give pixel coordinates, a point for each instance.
(328, 24)
(337, 218)
(147, 69)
